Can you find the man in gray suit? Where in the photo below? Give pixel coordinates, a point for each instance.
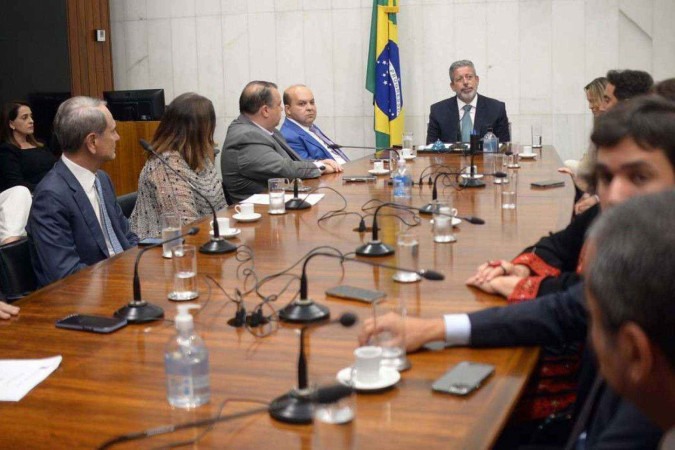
(255, 151)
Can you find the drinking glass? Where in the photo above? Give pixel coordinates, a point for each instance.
(184, 273)
(170, 223)
(277, 195)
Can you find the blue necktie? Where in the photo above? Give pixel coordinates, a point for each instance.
(467, 126)
(106, 225)
(330, 144)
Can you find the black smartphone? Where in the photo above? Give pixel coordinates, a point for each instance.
(547, 183)
(358, 178)
(355, 293)
(463, 379)
(95, 324)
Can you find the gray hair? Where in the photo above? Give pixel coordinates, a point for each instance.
(631, 276)
(75, 119)
(461, 63)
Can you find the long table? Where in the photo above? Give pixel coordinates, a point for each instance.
(114, 384)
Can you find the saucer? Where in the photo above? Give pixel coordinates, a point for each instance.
(379, 172)
(476, 176)
(252, 218)
(388, 378)
(408, 158)
(527, 155)
(229, 233)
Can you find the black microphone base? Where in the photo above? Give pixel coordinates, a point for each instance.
(375, 248)
(471, 183)
(304, 311)
(292, 407)
(139, 311)
(297, 203)
(429, 208)
(217, 246)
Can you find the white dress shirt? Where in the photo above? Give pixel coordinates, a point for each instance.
(457, 329)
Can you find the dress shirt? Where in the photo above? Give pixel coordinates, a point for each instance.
(461, 104)
(332, 152)
(87, 179)
(318, 165)
(457, 329)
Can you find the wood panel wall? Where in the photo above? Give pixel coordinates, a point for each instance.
(90, 61)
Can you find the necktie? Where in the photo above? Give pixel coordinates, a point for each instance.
(330, 144)
(467, 125)
(106, 224)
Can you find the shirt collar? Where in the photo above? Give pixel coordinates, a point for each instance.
(299, 124)
(84, 176)
(473, 103)
(263, 128)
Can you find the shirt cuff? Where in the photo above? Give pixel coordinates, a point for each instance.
(457, 329)
(319, 165)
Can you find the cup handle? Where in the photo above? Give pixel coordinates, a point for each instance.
(238, 209)
(454, 212)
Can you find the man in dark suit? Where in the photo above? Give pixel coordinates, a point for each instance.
(635, 156)
(254, 151)
(454, 119)
(301, 132)
(75, 220)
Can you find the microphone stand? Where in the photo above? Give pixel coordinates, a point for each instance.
(472, 181)
(296, 202)
(430, 207)
(217, 244)
(376, 247)
(138, 310)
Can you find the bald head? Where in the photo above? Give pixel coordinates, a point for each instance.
(299, 104)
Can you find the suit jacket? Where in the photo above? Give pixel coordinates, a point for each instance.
(444, 120)
(251, 157)
(63, 228)
(556, 319)
(303, 143)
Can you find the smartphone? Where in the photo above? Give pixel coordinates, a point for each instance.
(355, 293)
(149, 241)
(359, 178)
(548, 183)
(463, 379)
(95, 324)
(289, 188)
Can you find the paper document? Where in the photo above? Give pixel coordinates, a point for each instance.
(264, 199)
(19, 376)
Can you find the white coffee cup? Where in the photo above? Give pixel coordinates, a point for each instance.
(378, 166)
(527, 150)
(223, 224)
(245, 209)
(367, 364)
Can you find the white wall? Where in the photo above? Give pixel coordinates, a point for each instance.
(536, 55)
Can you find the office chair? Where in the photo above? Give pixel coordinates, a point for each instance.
(17, 278)
(127, 203)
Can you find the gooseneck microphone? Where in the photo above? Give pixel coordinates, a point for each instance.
(430, 207)
(376, 247)
(217, 244)
(138, 310)
(472, 181)
(296, 202)
(306, 310)
(296, 406)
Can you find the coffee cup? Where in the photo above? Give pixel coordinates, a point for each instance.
(223, 224)
(367, 364)
(378, 166)
(245, 209)
(406, 152)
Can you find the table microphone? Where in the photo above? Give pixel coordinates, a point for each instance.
(430, 207)
(472, 181)
(217, 244)
(376, 247)
(138, 310)
(296, 202)
(296, 406)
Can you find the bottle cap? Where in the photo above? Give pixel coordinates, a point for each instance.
(184, 319)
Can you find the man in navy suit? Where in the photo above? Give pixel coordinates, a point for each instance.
(308, 141)
(454, 119)
(75, 220)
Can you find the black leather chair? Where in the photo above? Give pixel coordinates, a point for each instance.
(127, 203)
(17, 278)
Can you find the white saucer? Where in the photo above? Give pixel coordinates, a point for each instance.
(388, 378)
(229, 233)
(379, 172)
(408, 158)
(527, 155)
(476, 176)
(252, 218)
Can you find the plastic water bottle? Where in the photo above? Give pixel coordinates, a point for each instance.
(402, 182)
(490, 142)
(186, 363)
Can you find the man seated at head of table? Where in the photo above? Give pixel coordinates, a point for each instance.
(635, 156)
(301, 132)
(75, 220)
(632, 321)
(254, 151)
(454, 119)
(551, 263)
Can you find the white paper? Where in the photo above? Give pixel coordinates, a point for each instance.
(19, 376)
(264, 199)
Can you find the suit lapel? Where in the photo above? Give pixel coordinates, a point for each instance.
(310, 141)
(453, 115)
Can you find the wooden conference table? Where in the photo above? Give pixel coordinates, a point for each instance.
(114, 384)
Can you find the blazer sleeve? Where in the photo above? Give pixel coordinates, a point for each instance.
(433, 128)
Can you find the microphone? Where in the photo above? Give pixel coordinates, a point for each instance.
(306, 310)
(472, 181)
(430, 207)
(138, 310)
(296, 406)
(296, 202)
(217, 245)
(332, 393)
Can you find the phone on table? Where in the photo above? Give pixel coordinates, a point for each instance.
(95, 324)
(358, 178)
(355, 293)
(463, 379)
(547, 183)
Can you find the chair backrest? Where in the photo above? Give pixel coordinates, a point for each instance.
(17, 278)
(127, 203)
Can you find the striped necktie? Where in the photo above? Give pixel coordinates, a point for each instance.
(330, 144)
(467, 125)
(106, 224)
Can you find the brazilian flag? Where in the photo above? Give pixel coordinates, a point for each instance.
(383, 78)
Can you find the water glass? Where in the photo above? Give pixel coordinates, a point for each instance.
(498, 161)
(509, 193)
(170, 224)
(407, 143)
(536, 136)
(392, 341)
(407, 248)
(276, 187)
(184, 273)
(443, 214)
